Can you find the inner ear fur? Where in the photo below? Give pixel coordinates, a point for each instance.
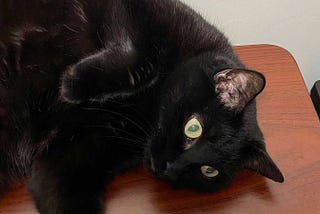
(235, 88)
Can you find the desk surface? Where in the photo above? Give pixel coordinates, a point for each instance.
(292, 134)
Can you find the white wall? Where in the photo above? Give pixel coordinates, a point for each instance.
(292, 24)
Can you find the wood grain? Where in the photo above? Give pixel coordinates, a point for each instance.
(292, 134)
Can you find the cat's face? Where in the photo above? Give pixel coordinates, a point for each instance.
(207, 130)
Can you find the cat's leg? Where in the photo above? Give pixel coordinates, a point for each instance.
(66, 182)
(79, 192)
(113, 72)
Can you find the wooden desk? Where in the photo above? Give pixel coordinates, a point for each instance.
(292, 134)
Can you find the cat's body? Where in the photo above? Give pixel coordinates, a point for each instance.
(85, 84)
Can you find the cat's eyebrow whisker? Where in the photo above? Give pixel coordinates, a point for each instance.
(71, 29)
(119, 114)
(99, 38)
(136, 142)
(116, 129)
(147, 121)
(96, 67)
(120, 137)
(141, 118)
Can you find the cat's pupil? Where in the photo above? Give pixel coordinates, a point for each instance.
(193, 128)
(210, 170)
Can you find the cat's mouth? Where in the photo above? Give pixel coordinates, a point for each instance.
(152, 167)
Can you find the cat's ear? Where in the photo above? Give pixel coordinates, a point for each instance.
(260, 161)
(235, 88)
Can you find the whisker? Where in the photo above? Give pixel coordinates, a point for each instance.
(136, 142)
(70, 28)
(96, 67)
(99, 38)
(119, 114)
(117, 129)
(129, 106)
(121, 138)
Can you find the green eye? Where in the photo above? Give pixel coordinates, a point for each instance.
(193, 128)
(209, 171)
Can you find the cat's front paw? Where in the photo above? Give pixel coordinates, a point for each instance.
(88, 80)
(99, 78)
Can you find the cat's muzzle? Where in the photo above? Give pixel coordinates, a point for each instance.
(157, 169)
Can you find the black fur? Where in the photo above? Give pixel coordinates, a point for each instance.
(91, 88)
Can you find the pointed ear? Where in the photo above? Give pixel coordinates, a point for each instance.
(260, 161)
(235, 88)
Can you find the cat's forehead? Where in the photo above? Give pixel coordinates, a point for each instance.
(189, 85)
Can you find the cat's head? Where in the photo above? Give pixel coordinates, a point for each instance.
(207, 130)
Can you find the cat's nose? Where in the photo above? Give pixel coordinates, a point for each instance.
(168, 165)
(152, 164)
(158, 168)
(149, 163)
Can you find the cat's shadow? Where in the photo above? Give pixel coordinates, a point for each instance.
(245, 186)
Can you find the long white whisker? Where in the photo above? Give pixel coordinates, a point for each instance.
(136, 142)
(121, 115)
(117, 129)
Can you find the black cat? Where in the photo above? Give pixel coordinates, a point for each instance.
(91, 88)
